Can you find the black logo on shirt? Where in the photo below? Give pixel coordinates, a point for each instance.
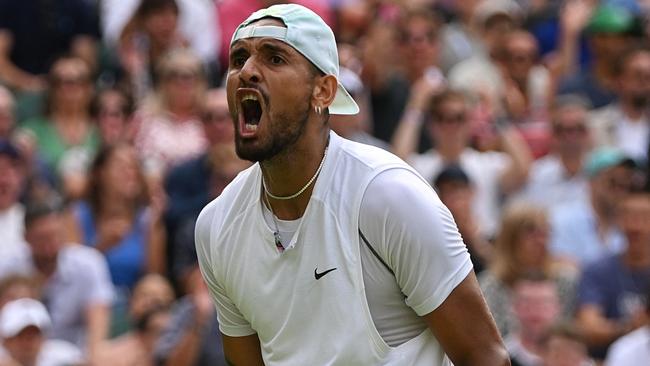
(319, 275)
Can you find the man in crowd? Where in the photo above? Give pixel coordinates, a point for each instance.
(559, 177)
(612, 289)
(77, 289)
(583, 231)
(625, 123)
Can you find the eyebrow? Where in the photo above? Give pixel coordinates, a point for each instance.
(268, 46)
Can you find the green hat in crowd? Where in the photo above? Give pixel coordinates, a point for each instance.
(611, 19)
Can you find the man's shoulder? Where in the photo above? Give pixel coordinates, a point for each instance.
(604, 266)
(368, 155)
(233, 200)
(77, 256)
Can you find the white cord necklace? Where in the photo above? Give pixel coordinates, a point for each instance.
(303, 189)
(276, 233)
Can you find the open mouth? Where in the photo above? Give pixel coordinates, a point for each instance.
(250, 111)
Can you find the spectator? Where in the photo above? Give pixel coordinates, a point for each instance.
(12, 211)
(196, 24)
(582, 232)
(527, 89)
(150, 292)
(192, 337)
(608, 34)
(559, 178)
(397, 90)
(118, 219)
(521, 247)
(168, 123)
(192, 184)
(610, 296)
(136, 347)
(461, 37)
(625, 123)
(632, 348)
(76, 287)
(480, 74)
(112, 109)
(148, 36)
(493, 173)
(66, 139)
(564, 345)
(23, 325)
(456, 191)
(7, 120)
(34, 33)
(536, 306)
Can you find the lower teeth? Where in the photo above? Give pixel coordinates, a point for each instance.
(251, 127)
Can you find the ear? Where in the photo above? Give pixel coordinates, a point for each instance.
(324, 91)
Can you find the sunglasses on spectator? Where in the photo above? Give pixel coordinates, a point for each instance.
(215, 116)
(181, 75)
(570, 130)
(429, 36)
(456, 118)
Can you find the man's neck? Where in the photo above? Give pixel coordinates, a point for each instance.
(604, 215)
(450, 152)
(287, 173)
(572, 163)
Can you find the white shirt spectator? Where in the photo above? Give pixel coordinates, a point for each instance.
(12, 231)
(484, 170)
(81, 279)
(550, 185)
(631, 349)
(197, 22)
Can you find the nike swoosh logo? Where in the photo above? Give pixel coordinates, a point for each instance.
(319, 275)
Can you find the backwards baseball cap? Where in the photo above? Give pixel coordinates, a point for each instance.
(19, 314)
(604, 158)
(308, 34)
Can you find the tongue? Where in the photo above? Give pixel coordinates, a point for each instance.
(252, 112)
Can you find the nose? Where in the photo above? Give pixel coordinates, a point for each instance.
(250, 72)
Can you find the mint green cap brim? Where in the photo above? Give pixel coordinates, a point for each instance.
(308, 34)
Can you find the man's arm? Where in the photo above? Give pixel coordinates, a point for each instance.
(242, 351)
(465, 329)
(521, 159)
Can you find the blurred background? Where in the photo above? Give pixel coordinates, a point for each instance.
(530, 118)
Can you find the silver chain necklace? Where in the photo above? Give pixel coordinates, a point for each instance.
(303, 189)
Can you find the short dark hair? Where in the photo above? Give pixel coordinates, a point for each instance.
(148, 7)
(451, 173)
(429, 16)
(39, 209)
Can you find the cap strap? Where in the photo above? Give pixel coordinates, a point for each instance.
(261, 31)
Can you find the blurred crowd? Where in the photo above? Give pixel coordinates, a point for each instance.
(530, 118)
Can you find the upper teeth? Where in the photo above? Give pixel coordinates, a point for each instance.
(249, 97)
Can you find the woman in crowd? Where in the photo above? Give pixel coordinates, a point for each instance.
(169, 128)
(65, 137)
(112, 109)
(522, 246)
(118, 217)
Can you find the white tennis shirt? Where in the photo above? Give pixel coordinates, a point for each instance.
(315, 303)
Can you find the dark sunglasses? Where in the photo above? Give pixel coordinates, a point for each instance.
(456, 118)
(181, 75)
(572, 130)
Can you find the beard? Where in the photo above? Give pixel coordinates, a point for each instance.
(284, 131)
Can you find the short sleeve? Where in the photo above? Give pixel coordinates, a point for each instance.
(417, 237)
(231, 322)
(100, 288)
